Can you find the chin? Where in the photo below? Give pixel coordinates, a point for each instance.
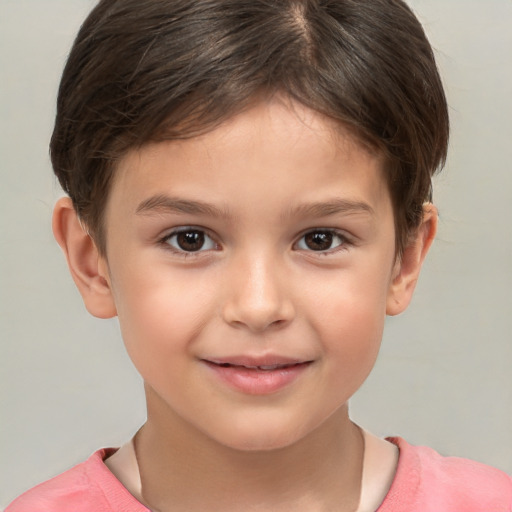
(259, 443)
(259, 436)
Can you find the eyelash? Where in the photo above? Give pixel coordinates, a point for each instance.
(165, 241)
(344, 241)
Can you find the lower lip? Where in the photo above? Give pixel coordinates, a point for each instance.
(258, 382)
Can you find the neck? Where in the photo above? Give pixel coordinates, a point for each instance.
(182, 469)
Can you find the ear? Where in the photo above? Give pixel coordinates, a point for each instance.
(407, 269)
(88, 269)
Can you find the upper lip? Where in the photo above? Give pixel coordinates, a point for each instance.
(263, 361)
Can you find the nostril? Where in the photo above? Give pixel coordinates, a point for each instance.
(258, 304)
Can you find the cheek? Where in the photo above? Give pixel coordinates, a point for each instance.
(352, 348)
(160, 318)
(350, 315)
(354, 300)
(354, 340)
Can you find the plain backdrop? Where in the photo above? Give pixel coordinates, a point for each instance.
(444, 375)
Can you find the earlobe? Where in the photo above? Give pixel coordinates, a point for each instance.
(87, 267)
(407, 270)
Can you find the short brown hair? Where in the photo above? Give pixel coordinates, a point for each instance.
(149, 70)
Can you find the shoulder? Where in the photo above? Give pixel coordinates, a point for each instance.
(85, 487)
(427, 481)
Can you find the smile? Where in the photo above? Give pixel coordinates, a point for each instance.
(255, 378)
(269, 367)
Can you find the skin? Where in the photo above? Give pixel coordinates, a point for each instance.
(270, 176)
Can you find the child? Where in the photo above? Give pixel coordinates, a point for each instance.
(249, 188)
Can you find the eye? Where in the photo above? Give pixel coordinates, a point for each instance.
(189, 240)
(321, 241)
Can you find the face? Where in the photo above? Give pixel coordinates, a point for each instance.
(250, 269)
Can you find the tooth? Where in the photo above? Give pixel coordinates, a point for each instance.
(266, 367)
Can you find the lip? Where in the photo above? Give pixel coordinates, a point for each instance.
(260, 375)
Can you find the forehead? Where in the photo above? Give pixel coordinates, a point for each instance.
(281, 143)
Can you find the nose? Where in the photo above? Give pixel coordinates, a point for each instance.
(258, 297)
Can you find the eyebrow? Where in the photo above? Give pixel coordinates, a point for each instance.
(332, 207)
(161, 204)
(165, 204)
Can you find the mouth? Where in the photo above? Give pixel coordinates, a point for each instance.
(262, 363)
(258, 377)
(263, 367)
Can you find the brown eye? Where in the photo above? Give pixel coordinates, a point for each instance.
(320, 241)
(190, 240)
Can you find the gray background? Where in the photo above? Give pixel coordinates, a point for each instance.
(443, 378)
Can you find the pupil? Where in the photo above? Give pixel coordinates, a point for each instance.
(319, 241)
(191, 240)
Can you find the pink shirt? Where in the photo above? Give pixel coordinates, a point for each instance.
(424, 482)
